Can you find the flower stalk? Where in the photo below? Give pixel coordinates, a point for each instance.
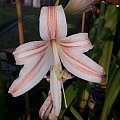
(22, 40)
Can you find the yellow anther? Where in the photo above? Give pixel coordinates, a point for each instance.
(54, 67)
(59, 67)
(59, 75)
(64, 76)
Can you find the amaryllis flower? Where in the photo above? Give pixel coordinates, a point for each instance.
(39, 57)
(78, 6)
(47, 109)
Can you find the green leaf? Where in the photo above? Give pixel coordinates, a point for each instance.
(70, 94)
(75, 113)
(57, 2)
(111, 95)
(71, 26)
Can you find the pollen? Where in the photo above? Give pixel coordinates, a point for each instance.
(54, 67)
(59, 75)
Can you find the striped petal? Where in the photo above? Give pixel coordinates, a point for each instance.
(81, 66)
(55, 89)
(32, 73)
(46, 107)
(26, 51)
(52, 115)
(77, 43)
(52, 23)
(78, 6)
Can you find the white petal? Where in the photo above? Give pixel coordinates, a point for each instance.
(32, 73)
(78, 6)
(77, 43)
(55, 89)
(82, 66)
(46, 107)
(52, 115)
(25, 51)
(52, 23)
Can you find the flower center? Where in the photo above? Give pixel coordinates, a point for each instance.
(57, 66)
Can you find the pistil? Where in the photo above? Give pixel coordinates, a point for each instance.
(57, 67)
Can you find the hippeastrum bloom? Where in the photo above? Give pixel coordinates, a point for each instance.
(39, 57)
(47, 109)
(78, 6)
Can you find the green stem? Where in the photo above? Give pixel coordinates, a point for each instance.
(75, 113)
(101, 18)
(107, 35)
(57, 2)
(106, 57)
(111, 96)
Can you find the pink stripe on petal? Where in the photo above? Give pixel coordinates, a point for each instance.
(46, 107)
(32, 72)
(82, 67)
(52, 115)
(27, 50)
(86, 66)
(76, 43)
(24, 59)
(52, 23)
(30, 45)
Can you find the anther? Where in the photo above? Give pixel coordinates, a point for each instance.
(54, 67)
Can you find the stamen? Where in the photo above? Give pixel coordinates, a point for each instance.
(59, 67)
(64, 93)
(54, 67)
(65, 77)
(59, 75)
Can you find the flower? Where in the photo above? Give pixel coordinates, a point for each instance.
(78, 6)
(47, 109)
(39, 57)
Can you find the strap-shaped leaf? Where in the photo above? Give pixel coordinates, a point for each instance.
(70, 94)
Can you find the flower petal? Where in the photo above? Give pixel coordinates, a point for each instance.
(52, 115)
(78, 43)
(52, 23)
(55, 89)
(81, 66)
(46, 107)
(28, 50)
(32, 72)
(78, 6)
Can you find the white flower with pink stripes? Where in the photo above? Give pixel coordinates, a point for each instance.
(78, 6)
(39, 57)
